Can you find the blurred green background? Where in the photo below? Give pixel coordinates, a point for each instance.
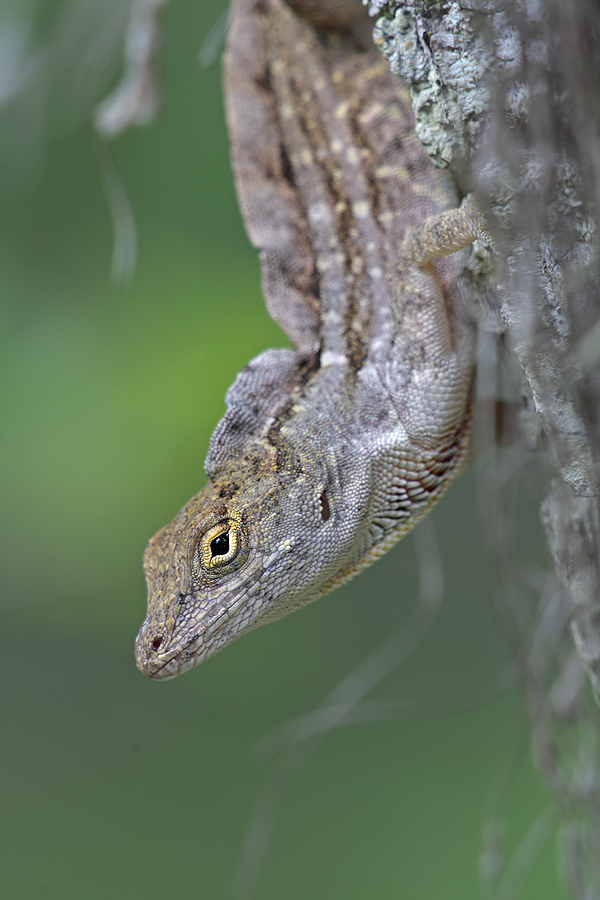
(113, 785)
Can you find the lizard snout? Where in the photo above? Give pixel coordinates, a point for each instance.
(148, 656)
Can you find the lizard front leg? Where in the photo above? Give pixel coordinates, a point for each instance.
(433, 356)
(445, 233)
(423, 304)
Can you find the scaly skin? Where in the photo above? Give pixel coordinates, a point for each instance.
(331, 452)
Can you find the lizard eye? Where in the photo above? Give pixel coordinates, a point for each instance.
(220, 546)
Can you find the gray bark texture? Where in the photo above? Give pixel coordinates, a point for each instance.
(506, 93)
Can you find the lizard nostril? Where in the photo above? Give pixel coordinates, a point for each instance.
(156, 642)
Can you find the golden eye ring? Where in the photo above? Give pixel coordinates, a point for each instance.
(220, 545)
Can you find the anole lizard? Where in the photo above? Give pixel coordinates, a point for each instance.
(328, 453)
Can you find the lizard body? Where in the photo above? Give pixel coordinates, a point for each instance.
(330, 452)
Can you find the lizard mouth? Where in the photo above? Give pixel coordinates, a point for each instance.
(164, 672)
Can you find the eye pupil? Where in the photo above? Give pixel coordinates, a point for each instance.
(219, 546)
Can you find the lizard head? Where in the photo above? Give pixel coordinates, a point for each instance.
(243, 551)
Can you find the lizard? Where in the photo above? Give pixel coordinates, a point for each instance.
(332, 450)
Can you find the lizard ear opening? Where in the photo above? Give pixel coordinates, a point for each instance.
(325, 510)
